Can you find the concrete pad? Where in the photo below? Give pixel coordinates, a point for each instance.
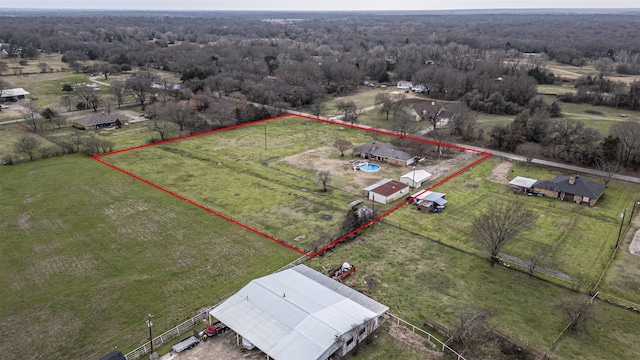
(634, 247)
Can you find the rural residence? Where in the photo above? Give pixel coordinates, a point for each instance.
(430, 201)
(570, 188)
(299, 313)
(404, 85)
(426, 110)
(387, 191)
(415, 178)
(383, 151)
(97, 121)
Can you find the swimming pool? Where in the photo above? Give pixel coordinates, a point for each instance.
(370, 167)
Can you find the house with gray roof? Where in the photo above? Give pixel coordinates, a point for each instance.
(98, 120)
(383, 151)
(300, 313)
(570, 188)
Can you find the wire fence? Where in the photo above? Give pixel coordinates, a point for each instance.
(431, 338)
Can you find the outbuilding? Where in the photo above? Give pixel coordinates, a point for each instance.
(13, 94)
(522, 185)
(387, 191)
(430, 201)
(415, 178)
(300, 313)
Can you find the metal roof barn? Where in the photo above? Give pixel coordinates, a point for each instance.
(296, 314)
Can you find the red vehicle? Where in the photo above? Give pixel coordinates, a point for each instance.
(215, 329)
(342, 272)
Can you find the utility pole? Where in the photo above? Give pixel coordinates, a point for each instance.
(624, 212)
(413, 181)
(149, 324)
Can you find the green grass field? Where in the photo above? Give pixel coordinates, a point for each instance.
(582, 237)
(88, 252)
(419, 278)
(230, 172)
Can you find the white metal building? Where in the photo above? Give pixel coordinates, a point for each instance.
(415, 178)
(297, 314)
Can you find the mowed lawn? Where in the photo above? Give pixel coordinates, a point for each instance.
(582, 237)
(87, 252)
(419, 278)
(274, 190)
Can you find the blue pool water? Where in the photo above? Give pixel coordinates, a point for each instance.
(370, 167)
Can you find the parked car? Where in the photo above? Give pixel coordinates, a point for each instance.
(4, 106)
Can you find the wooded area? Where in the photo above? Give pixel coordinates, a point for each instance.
(491, 63)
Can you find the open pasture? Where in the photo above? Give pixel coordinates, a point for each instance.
(581, 237)
(88, 252)
(419, 278)
(273, 191)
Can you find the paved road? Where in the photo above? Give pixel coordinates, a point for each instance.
(510, 156)
(558, 165)
(76, 112)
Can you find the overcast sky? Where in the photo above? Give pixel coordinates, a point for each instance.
(316, 5)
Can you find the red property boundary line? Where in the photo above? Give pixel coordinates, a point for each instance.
(485, 156)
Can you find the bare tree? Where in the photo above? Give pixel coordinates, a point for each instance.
(469, 323)
(404, 124)
(85, 93)
(607, 169)
(433, 115)
(536, 254)
(462, 122)
(44, 67)
(26, 145)
(500, 225)
(578, 311)
(67, 102)
(3, 67)
(342, 145)
(349, 109)
(385, 103)
(140, 85)
(164, 128)
(32, 116)
(323, 177)
(529, 150)
(94, 101)
(59, 120)
(118, 89)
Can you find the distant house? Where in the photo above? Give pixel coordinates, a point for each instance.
(415, 178)
(522, 185)
(420, 88)
(383, 151)
(430, 201)
(97, 121)
(13, 94)
(427, 109)
(404, 85)
(387, 191)
(570, 188)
